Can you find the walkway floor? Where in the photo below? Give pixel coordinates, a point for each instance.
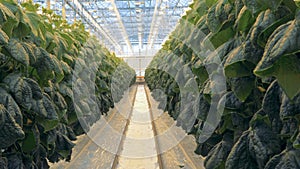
(136, 149)
(139, 150)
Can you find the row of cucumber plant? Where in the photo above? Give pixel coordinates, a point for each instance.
(55, 82)
(244, 57)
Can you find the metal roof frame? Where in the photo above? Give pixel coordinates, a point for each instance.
(124, 26)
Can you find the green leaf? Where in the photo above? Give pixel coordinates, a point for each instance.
(29, 48)
(285, 40)
(263, 142)
(290, 4)
(288, 75)
(59, 74)
(16, 50)
(264, 19)
(16, 160)
(200, 7)
(242, 87)
(9, 25)
(47, 123)
(45, 65)
(50, 44)
(5, 13)
(65, 67)
(28, 22)
(22, 29)
(280, 58)
(10, 131)
(209, 3)
(199, 70)
(296, 143)
(64, 145)
(218, 15)
(36, 25)
(267, 4)
(230, 102)
(212, 22)
(216, 158)
(28, 143)
(287, 71)
(244, 20)
(35, 88)
(68, 39)
(61, 45)
(222, 37)
(288, 158)
(253, 6)
(12, 107)
(239, 157)
(20, 89)
(297, 2)
(266, 33)
(3, 38)
(236, 64)
(30, 6)
(51, 120)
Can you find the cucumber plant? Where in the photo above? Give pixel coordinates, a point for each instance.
(42, 58)
(256, 43)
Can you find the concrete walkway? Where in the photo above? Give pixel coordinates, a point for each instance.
(139, 150)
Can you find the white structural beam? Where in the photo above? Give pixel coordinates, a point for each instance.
(48, 4)
(63, 9)
(160, 15)
(153, 23)
(155, 31)
(82, 11)
(139, 9)
(124, 32)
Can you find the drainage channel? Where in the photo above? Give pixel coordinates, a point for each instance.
(138, 149)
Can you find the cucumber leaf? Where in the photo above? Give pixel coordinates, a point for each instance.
(279, 60)
(239, 157)
(242, 86)
(263, 142)
(217, 155)
(253, 6)
(3, 38)
(289, 158)
(267, 4)
(288, 75)
(287, 71)
(236, 65)
(244, 20)
(47, 116)
(29, 142)
(209, 3)
(10, 131)
(264, 19)
(222, 37)
(266, 33)
(285, 40)
(12, 107)
(16, 50)
(5, 13)
(217, 15)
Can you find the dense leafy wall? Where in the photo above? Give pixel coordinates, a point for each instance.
(46, 66)
(254, 45)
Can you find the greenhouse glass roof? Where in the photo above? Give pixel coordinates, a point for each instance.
(127, 27)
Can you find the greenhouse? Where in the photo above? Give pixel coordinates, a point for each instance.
(150, 84)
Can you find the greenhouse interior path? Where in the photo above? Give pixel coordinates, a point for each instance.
(139, 149)
(134, 135)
